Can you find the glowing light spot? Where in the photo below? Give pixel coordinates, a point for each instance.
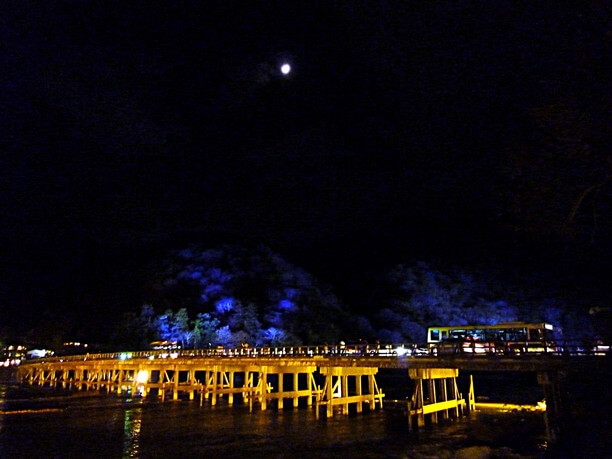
(143, 376)
(401, 351)
(285, 69)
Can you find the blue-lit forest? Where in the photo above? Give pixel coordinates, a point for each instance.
(233, 296)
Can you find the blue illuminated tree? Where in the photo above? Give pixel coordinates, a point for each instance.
(420, 297)
(251, 296)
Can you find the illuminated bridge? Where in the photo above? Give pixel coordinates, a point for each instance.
(322, 377)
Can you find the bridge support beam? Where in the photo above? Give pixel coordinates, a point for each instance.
(336, 391)
(272, 384)
(281, 398)
(263, 385)
(557, 411)
(435, 395)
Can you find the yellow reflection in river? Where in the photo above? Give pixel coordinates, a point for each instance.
(3, 394)
(511, 407)
(132, 423)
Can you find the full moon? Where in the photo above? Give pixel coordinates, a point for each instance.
(285, 69)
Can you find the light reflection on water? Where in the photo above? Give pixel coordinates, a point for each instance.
(107, 426)
(132, 423)
(3, 395)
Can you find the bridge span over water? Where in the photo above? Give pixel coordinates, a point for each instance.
(327, 378)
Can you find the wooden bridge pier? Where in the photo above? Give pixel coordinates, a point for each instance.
(436, 396)
(336, 389)
(557, 410)
(272, 385)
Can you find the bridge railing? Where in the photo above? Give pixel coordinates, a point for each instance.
(413, 350)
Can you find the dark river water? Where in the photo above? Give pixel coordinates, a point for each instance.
(39, 422)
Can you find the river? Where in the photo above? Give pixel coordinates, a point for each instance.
(36, 422)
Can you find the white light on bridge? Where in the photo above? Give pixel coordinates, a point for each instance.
(143, 377)
(401, 351)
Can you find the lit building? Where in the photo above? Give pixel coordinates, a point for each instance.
(12, 354)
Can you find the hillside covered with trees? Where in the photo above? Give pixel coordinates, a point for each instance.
(232, 295)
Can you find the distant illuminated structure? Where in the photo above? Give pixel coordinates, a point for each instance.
(75, 344)
(12, 354)
(74, 347)
(285, 69)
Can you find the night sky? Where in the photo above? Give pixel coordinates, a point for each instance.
(472, 133)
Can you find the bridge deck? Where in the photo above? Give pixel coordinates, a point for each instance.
(528, 363)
